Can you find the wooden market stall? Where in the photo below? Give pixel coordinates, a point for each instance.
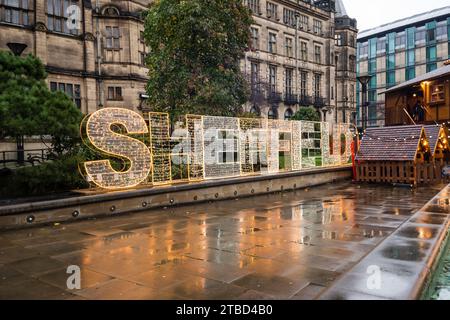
(398, 155)
(438, 137)
(422, 100)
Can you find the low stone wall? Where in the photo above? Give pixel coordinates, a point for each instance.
(113, 203)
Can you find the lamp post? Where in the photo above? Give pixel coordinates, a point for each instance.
(364, 80)
(17, 49)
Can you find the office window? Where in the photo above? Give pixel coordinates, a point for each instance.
(390, 62)
(410, 38)
(16, 11)
(304, 51)
(364, 50)
(431, 32)
(255, 38)
(115, 94)
(289, 48)
(73, 91)
(431, 67)
(272, 42)
(381, 45)
(272, 78)
(441, 32)
(372, 66)
(410, 73)
(421, 36)
(431, 54)
(288, 86)
(57, 16)
(390, 79)
(410, 58)
(318, 54)
(303, 84)
(272, 10)
(400, 40)
(254, 6)
(317, 26)
(373, 48)
(390, 43)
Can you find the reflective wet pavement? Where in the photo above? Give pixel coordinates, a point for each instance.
(283, 246)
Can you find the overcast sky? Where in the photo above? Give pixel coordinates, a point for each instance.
(372, 13)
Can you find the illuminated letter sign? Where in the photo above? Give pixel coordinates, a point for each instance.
(206, 147)
(135, 153)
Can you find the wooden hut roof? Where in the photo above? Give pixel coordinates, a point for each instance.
(390, 143)
(433, 132)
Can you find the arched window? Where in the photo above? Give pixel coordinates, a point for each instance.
(255, 110)
(111, 11)
(273, 113)
(288, 114)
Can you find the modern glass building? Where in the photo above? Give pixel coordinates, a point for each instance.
(397, 52)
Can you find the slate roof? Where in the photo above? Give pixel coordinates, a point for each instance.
(390, 144)
(432, 133)
(385, 28)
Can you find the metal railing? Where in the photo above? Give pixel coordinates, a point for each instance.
(32, 156)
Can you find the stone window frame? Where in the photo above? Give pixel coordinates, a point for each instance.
(317, 26)
(114, 38)
(304, 51)
(318, 53)
(272, 42)
(143, 52)
(273, 70)
(289, 46)
(289, 81)
(74, 93)
(115, 93)
(254, 38)
(303, 83)
(272, 10)
(61, 16)
(22, 11)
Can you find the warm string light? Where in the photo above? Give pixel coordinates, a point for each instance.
(209, 147)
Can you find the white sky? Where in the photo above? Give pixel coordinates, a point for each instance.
(372, 13)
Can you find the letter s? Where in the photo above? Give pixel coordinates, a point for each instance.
(99, 133)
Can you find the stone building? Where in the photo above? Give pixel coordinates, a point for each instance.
(400, 51)
(303, 52)
(92, 50)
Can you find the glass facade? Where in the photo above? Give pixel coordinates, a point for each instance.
(391, 58)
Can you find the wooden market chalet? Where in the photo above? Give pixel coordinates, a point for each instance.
(412, 155)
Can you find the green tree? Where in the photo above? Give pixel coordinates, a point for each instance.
(307, 114)
(195, 50)
(29, 108)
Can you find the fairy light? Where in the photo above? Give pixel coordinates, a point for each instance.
(211, 147)
(112, 144)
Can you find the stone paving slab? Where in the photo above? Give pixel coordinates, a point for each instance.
(403, 262)
(292, 245)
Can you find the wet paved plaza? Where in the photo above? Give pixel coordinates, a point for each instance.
(283, 246)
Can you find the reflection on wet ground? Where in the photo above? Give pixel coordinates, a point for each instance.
(284, 246)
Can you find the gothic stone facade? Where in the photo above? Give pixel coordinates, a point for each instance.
(302, 53)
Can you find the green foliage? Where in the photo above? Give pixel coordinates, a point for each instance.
(29, 108)
(307, 114)
(54, 176)
(195, 50)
